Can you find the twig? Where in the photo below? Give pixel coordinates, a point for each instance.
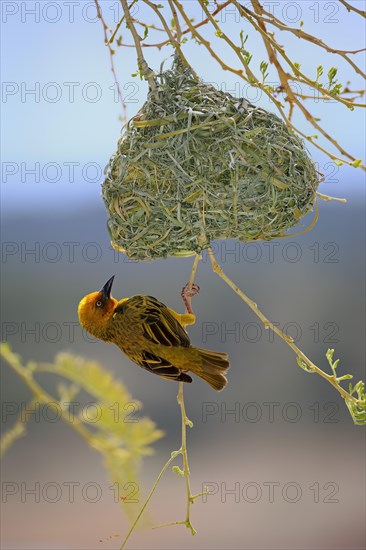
(110, 41)
(270, 43)
(174, 41)
(176, 21)
(254, 81)
(133, 526)
(142, 64)
(197, 258)
(182, 451)
(16, 431)
(269, 40)
(359, 94)
(288, 339)
(268, 17)
(159, 45)
(111, 54)
(284, 77)
(186, 422)
(352, 8)
(43, 397)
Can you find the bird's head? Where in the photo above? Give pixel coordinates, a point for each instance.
(97, 308)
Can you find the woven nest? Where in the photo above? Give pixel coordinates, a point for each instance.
(197, 164)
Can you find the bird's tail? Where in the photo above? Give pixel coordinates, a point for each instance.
(213, 368)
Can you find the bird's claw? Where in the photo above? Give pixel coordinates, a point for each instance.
(187, 294)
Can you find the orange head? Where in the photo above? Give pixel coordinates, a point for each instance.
(96, 309)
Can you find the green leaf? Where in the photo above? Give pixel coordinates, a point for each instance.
(247, 56)
(243, 38)
(178, 471)
(319, 72)
(303, 365)
(90, 376)
(9, 437)
(345, 377)
(146, 32)
(332, 73)
(111, 426)
(263, 68)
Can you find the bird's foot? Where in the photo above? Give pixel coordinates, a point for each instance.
(187, 294)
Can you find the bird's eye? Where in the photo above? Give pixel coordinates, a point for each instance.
(99, 303)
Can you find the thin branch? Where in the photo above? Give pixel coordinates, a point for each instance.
(159, 45)
(175, 42)
(16, 431)
(284, 79)
(147, 25)
(269, 37)
(182, 451)
(197, 258)
(288, 339)
(186, 422)
(268, 17)
(111, 53)
(176, 21)
(251, 78)
(120, 23)
(133, 526)
(359, 94)
(352, 8)
(142, 64)
(41, 396)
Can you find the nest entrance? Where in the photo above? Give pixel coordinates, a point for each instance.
(196, 165)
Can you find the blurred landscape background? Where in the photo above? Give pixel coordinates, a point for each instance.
(277, 447)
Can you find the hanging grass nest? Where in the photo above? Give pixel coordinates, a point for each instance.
(197, 164)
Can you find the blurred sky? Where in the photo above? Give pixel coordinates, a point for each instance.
(320, 296)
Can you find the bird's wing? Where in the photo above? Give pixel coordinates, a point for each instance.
(154, 318)
(158, 365)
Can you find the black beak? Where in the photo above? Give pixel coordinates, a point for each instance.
(106, 290)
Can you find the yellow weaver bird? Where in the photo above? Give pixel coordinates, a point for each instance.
(152, 335)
